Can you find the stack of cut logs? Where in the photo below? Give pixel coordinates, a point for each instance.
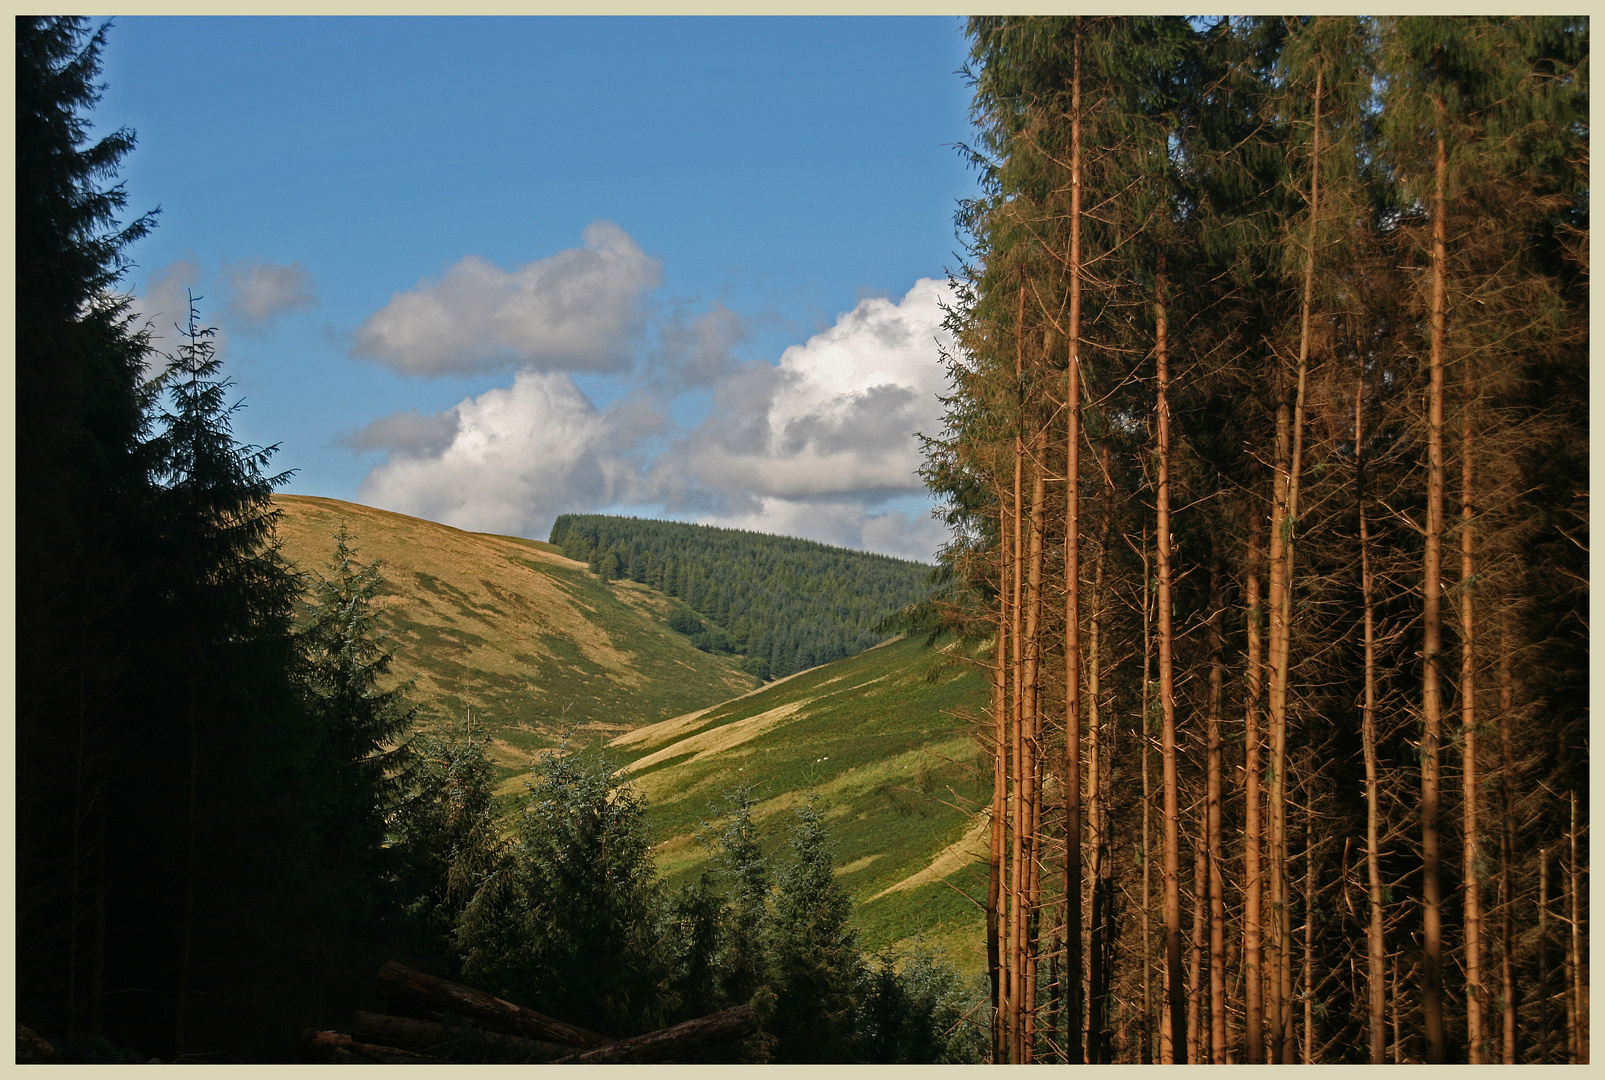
(449, 1022)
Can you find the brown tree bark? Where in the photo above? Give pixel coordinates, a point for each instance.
(1510, 1002)
(1253, 886)
(486, 1010)
(1212, 821)
(1376, 947)
(1197, 1024)
(1072, 580)
(1175, 988)
(1471, 891)
(1016, 992)
(1147, 837)
(445, 1039)
(1432, 629)
(670, 1042)
(1579, 991)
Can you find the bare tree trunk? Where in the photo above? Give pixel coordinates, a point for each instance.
(1072, 582)
(1253, 887)
(1216, 882)
(1196, 1035)
(1432, 633)
(1281, 633)
(1176, 991)
(1509, 984)
(994, 889)
(1097, 972)
(1472, 885)
(1029, 770)
(1376, 949)
(1147, 839)
(1017, 720)
(1579, 992)
(1309, 939)
(1543, 955)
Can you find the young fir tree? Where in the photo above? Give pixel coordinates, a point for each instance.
(360, 725)
(815, 962)
(572, 922)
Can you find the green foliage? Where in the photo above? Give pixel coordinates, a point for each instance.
(783, 604)
(817, 963)
(577, 905)
(346, 653)
(446, 835)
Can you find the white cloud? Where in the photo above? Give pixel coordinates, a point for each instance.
(573, 311)
(260, 292)
(517, 457)
(820, 445)
(836, 419)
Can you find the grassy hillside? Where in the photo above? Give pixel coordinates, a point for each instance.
(535, 645)
(529, 640)
(897, 775)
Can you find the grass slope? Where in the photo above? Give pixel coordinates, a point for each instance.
(875, 740)
(529, 640)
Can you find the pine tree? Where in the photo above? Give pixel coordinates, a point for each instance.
(82, 512)
(360, 725)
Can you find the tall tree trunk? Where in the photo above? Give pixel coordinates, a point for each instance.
(1543, 955)
(1579, 992)
(1097, 970)
(1376, 948)
(1197, 1033)
(1510, 1001)
(999, 830)
(1216, 880)
(1175, 988)
(1017, 717)
(1147, 802)
(1072, 580)
(1472, 884)
(1432, 630)
(1253, 887)
(1281, 629)
(1030, 772)
(1309, 937)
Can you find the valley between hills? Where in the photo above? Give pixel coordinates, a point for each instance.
(534, 649)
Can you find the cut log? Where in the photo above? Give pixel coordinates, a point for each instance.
(341, 1049)
(453, 1040)
(399, 981)
(672, 1042)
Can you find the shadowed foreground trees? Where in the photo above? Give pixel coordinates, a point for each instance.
(1218, 266)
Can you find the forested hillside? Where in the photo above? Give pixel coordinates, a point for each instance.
(1267, 470)
(783, 604)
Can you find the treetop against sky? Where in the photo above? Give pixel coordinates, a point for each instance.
(487, 271)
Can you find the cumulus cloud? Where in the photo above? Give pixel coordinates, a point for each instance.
(260, 292)
(516, 457)
(820, 445)
(837, 416)
(573, 311)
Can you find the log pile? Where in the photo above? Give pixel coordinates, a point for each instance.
(436, 1021)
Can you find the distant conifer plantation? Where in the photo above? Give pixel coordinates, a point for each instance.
(784, 604)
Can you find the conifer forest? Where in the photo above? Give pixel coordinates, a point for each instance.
(1266, 467)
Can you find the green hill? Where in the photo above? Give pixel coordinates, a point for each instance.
(898, 775)
(535, 644)
(530, 641)
(783, 604)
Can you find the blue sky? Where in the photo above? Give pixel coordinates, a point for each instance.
(487, 271)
